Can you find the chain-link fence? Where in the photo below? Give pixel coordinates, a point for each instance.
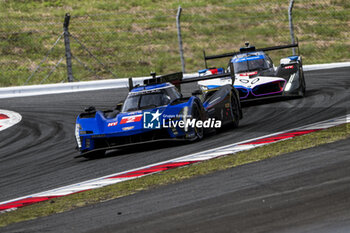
(130, 43)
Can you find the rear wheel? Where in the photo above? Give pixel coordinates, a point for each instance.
(303, 85)
(235, 112)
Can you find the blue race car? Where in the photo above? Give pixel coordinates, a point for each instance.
(256, 76)
(156, 111)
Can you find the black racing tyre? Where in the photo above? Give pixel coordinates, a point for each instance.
(303, 85)
(197, 115)
(235, 112)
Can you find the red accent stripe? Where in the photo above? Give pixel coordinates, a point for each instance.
(249, 73)
(24, 202)
(281, 136)
(213, 71)
(152, 169)
(3, 116)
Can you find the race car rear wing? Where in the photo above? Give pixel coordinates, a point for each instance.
(177, 78)
(248, 49)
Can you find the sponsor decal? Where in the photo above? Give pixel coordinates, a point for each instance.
(209, 123)
(128, 128)
(248, 73)
(184, 121)
(112, 124)
(288, 67)
(151, 120)
(130, 119)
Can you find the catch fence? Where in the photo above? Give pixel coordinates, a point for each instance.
(134, 43)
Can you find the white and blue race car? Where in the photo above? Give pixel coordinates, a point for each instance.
(256, 76)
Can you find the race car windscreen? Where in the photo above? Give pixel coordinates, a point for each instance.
(156, 98)
(250, 65)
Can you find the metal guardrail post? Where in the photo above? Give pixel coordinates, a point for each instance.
(180, 38)
(67, 47)
(291, 27)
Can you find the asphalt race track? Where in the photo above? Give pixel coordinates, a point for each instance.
(37, 155)
(306, 191)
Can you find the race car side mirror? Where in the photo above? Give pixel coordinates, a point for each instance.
(119, 106)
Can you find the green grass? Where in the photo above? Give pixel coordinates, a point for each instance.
(135, 37)
(103, 194)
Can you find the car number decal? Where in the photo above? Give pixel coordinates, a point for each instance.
(130, 119)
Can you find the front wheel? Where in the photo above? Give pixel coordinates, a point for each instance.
(199, 131)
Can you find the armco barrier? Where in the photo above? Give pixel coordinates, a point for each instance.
(58, 88)
(21, 91)
(326, 66)
(32, 90)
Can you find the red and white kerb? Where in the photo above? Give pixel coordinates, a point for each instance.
(8, 119)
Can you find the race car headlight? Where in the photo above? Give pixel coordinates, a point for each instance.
(77, 136)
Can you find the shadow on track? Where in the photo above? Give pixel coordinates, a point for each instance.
(152, 146)
(267, 101)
